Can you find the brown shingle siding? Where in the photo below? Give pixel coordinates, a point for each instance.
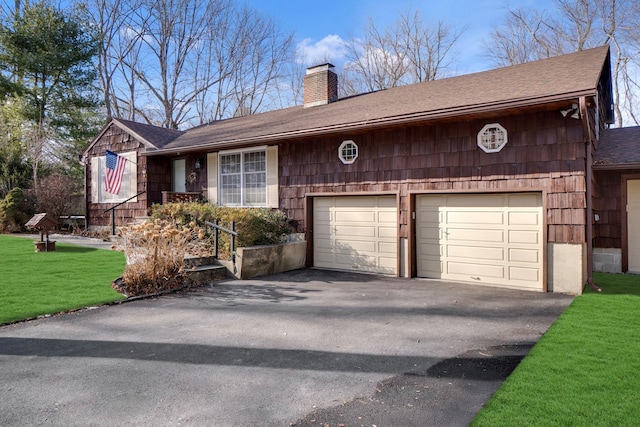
(381, 167)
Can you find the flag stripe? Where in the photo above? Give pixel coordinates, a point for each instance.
(114, 171)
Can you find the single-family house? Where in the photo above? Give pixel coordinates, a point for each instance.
(486, 178)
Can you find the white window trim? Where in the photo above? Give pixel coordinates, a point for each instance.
(348, 161)
(242, 195)
(484, 130)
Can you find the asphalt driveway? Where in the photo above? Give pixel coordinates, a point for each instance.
(301, 348)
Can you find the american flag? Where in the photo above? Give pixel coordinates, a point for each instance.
(115, 170)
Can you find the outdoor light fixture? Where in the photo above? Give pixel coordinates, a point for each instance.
(574, 108)
(198, 164)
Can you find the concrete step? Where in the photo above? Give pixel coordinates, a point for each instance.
(207, 273)
(195, 261)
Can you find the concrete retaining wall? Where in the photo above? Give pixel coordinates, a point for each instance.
(254, 261)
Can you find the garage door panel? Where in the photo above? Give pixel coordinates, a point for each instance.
(388, 263)
(356, 233)
(476, 270)
(524, 218)
(430, 203)
(387, 248)
(355, 202)
(357, 217)
(475, 201)
(389, 217)
(481, 238)
(387, 202)
(432, 268)
(475, 252)
(524, 255)
(387, 232)
(524, 237)
(524, 274)
(351, 246)
(524, 200)
(324, 244)
(353, 231)
(431, 250)
(471, 217)
(474, 235)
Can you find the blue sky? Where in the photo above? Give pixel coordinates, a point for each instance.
(320, 25)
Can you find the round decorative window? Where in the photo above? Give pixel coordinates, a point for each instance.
(492, 138)
(348, 152)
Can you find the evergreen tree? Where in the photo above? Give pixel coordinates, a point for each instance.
(47, 61)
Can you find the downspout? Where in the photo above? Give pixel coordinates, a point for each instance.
(83, 162)
(590, 138)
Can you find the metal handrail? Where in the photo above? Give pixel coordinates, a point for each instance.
(113, 211)
(233, 234)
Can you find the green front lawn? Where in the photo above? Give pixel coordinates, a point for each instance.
(585, 371)
(72, 277)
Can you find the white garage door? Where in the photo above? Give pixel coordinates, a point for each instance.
(357, 233)
(483, 238)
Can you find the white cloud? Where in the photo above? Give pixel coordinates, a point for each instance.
(331, 48)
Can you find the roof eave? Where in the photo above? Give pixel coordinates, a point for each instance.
(616, 166)
(376, 123)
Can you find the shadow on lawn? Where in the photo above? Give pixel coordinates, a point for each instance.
(74, 249)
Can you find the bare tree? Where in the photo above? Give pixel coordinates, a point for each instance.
(184, 62)
(523, 37)
(427, 48)
(376, 61)
(263, 52)
(528, 35)
(410, 51)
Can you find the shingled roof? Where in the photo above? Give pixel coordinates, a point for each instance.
(565, 77)
(618, 149)
(151, 136)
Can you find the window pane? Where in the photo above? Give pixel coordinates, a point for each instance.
(230, 163)
(254, 162)
(255, 178)
(255, 185)
(230, 189)
(230, 180)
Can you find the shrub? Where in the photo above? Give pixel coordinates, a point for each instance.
(58, 195)
(14, 211)
(155, 255)
(255, 226)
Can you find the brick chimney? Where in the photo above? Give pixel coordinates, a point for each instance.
(320, 85)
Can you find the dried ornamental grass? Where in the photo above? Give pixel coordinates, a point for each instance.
(155, 254)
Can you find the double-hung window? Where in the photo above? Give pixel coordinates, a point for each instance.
(243, 178)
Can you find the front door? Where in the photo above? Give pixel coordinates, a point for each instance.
(633, 225)
(179, 175)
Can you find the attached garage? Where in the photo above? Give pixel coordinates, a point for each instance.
(492, 239)
(356, 233)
